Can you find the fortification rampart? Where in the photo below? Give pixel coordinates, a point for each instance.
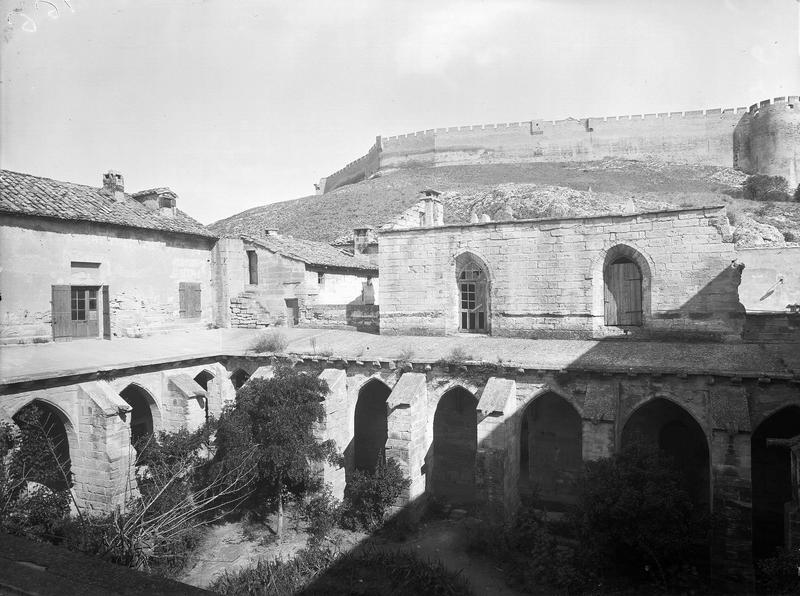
(763, 138)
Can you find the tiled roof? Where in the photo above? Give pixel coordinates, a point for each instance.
(313, 253)
(24, 194)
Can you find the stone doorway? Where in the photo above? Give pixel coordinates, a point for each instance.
(454, 448)
(370, 428)
(551, 451)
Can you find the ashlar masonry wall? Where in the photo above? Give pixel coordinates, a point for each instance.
(143, 270)
(546, 277)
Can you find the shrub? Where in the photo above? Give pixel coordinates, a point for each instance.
(271, 341)
(458, 355)
(761, 187)
(796, 195)
(790, 236)
(635, 517)
(779, 574)
(368, 496)
(322, 512)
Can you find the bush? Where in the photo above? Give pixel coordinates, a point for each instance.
(271, 341)
(457, 355)
(322, 512)
(796, 195)
(761, 187)
(779, 574)
(635, 520)
(790, 236)
(368, 496)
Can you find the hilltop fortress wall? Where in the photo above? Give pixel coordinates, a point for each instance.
(764, 138)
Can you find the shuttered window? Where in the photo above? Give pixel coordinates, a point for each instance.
(190, 303)
(62, 312)
(623, 293)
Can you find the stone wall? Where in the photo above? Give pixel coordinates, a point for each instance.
(759, 139)
(546, 276)
(771, 278)
(97, 422)
(143, 270)
(335, 300)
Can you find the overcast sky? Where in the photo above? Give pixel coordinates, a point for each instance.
(236, 104)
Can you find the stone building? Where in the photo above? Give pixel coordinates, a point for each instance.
(278, 280)
(80, 261)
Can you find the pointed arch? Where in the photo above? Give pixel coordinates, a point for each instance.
(47, 435)
(203, 378)
(474, 291)
(622, 280)
(239, 377)
(670, 427)
(551, 450)
(451, 475)
(370, 426)
(771, 478)
(144, 417)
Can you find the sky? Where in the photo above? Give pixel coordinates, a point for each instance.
(238, 104)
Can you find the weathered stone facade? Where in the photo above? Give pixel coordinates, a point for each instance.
(546, 277)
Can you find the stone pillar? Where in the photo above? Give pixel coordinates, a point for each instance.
(406, 432)
(103, 463)
(731, 478)
(496, 476)
(335, 426)
(188, 401)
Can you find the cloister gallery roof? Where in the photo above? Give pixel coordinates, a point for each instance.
(24, 194)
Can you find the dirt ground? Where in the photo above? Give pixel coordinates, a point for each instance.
(230, 546)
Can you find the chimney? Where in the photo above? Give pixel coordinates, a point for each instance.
(162, 200)
(433, 211)
(271, 232)
(360, 240)
(114, 185)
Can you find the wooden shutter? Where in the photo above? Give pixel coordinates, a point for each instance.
(623, 294)
(62, 313)
(197, 308)
(633, 294)
(183, 299)
(106, 314)
(189, 300)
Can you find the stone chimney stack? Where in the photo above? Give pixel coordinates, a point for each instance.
(433, 210)
(360, 240)
(162, 200)
(114, 185)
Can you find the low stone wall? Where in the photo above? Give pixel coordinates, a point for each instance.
(362, 317)
(772, 328)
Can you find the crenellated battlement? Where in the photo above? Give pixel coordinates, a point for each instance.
(716, 136)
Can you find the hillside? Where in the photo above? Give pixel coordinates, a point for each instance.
(530, 190)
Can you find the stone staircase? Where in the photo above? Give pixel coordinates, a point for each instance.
(249, 312)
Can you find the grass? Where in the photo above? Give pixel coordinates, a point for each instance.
(323, 570)
(272, 341)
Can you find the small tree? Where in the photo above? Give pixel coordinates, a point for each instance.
(761, 187)
(278, 415)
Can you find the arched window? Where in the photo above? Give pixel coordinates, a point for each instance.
(239, 378)
(473, 294)
(623, 293)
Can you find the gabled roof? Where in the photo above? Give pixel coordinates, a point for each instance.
(24, 194)
(316, 254)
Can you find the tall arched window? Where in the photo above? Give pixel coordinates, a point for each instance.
(623, 292)
(473, 294)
